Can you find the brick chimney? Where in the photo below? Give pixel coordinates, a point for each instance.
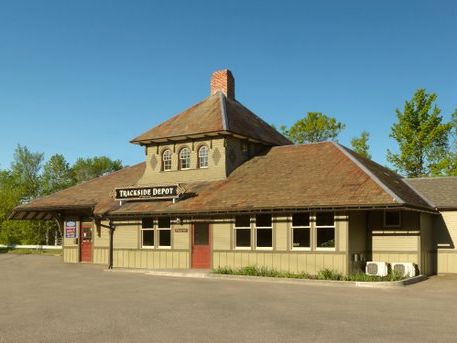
(223, 81)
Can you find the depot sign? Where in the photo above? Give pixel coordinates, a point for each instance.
(148, 192)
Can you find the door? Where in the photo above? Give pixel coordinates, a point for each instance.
(86, 241)
(201, 247)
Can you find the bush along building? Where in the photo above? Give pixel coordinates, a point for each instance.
(221, 188)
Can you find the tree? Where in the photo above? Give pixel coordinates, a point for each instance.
(315, 127)
(360, 144)
(421, 136)
(26, 167)
(86, 169)
(57, 175)
(451, 160)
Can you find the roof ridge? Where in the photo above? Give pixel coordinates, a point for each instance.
(367, 171)
(222, 99)
(427, 200)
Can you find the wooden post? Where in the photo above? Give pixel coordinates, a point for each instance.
(112, 227)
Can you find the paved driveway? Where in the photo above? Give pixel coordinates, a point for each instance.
(44, 300)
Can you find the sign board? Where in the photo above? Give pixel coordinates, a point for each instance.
(70, 229)
(148, 192)
(181, 230)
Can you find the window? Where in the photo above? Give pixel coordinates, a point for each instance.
(392, 218)
(203, 157)
(325, 230)
(164, 229)
(184, 158)
(147, 233)
(264, 231)
(300, 231)
(166, 160)
(243, 232)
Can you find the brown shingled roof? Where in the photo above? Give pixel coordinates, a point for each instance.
(440, 191)
(322, 175)
(215, 114)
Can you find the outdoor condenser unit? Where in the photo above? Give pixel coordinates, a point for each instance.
(404, 268)
(377, 268)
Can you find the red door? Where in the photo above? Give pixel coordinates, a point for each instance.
(86, 241)
(201, 247)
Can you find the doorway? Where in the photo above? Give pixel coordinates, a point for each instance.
(86, 241)
(201, 246)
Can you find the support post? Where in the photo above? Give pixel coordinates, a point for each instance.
(112, 227)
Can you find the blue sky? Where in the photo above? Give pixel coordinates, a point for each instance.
(82, 78)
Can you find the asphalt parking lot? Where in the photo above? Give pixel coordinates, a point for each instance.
(45, 300)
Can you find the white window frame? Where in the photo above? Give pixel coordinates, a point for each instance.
(168, 160)
(186, 159)
(300, 227)
(153, 234)
(203, 157)
(243, 228)
(158, 236)
(317, 227)
(263, 228)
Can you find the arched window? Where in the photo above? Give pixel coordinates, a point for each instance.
(203, 157)
(166, 160)
(184, 158)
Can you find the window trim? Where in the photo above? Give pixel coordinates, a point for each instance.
(163, 160)
(148, 229)
(200, 157)
(243, 228)
(292, 227)
(181, 159)
(324, 227)
(158, 236)
(263, 228)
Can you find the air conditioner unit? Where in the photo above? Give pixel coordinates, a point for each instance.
(377, 268)
(404, 268)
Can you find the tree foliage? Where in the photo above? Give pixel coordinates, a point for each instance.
(57, 175)
(360, 144)
(422, 137)
(86, 169)
(315, 127)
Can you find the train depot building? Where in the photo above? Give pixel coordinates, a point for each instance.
(220, 187)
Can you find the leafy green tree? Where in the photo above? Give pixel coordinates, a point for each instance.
(26, 168)
(315, 127)
(451, 159)
(86, 169)
(422, 137)
(57, 175)
(360, 144)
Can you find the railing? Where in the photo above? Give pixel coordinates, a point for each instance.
(37, 247)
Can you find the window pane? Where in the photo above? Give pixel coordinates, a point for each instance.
(263, 220)
(148, 238)
(203, 157)
(164, 238)
(301, 238)
(166, 158)
(300, 219)
(147, 223)
(264, 238)
(243, 237)
(392, 218)
(184, 158)
(164, 222)
(326, 237)
(325, 219)
(201, 234)
(243, 221)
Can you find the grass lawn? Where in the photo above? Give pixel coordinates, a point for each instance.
(31, 251)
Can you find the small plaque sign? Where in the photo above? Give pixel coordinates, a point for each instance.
(183, 229)
(70, 229)
(148, 192)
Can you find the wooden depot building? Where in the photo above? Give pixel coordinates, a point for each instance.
(220, 187)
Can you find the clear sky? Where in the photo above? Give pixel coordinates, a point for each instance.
(82, 77)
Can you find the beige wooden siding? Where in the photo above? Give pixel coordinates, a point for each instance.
(395, 257)
(101, 235)
(357, 232)
(395, 243)
(222, 236)
(446, 230)
(100, 256)
(181, 237)
(447, 261)
(71, 254)
(342, 231)
(126, 236)
(281, 227)
(148, 259)
(306, 262)
(428, 256)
